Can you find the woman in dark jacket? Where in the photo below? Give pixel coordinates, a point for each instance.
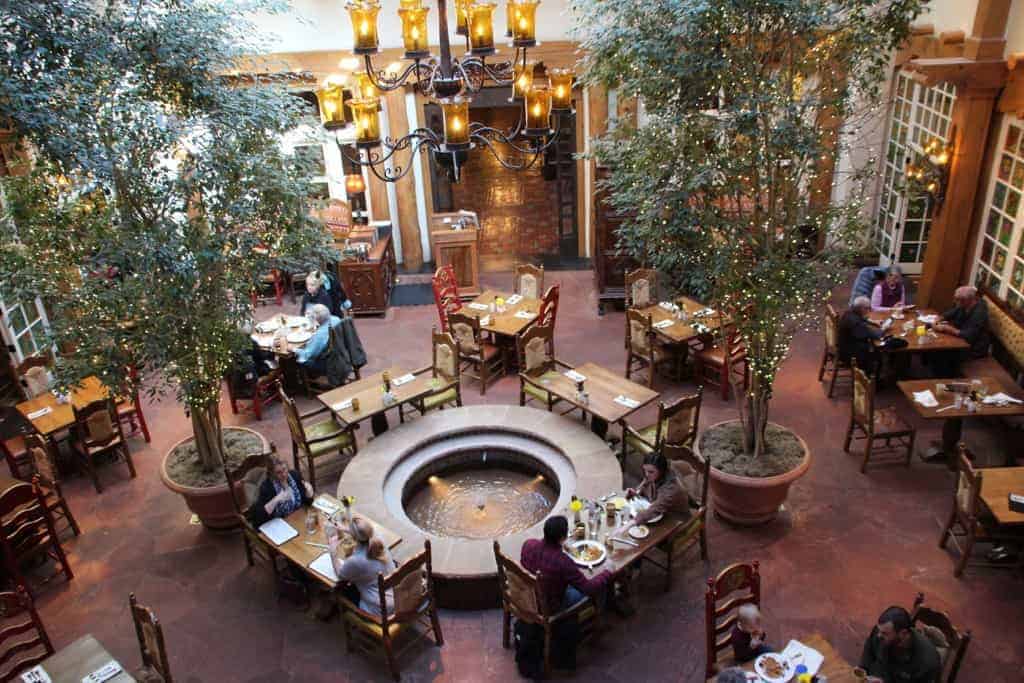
(315, 293)
(281, 493)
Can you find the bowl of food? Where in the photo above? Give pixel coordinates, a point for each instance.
(774, 668)
(587, 553)
(639, 532)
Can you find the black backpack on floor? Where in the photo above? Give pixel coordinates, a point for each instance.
(529, 644)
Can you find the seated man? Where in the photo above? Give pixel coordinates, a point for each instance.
(889, 293)
(856, 334)
(563, 583)
(895, 652)
(747, 637)
(313, 356)
(968, 319)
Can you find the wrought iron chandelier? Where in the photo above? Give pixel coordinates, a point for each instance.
(544, 94)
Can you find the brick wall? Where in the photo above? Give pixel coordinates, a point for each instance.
(518, 210)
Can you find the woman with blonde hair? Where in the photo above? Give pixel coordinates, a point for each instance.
(360, 569)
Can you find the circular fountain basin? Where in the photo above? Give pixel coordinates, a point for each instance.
(465, 477)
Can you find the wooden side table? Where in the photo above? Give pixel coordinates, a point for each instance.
(461, 249)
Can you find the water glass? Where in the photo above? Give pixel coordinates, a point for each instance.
(311, 521)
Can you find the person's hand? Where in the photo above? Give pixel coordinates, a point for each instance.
(630, 493)
(332, 543)
(309, 488)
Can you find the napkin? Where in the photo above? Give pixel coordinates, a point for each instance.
(926, 398)
(278, 531)
(575, 376)
(323, 566)
(485, 321)
(104, 673)
(928, 319)
(36, 674)
(704, 311)
(525, 315)
(1000, 399)
(478, 307)
(404, 379)
(39, 413)
(513, 300)
(662, 324)
(344, 405)
(798, 653)
(326, 505)
(667, 305)
(627, 401)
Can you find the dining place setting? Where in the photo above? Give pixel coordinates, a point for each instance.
(283, 333)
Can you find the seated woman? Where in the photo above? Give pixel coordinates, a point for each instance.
(889, 293)
(315, 292)
(360, 569)
(281, 493)
(661, 486)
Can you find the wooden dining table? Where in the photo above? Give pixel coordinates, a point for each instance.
(682, 331)
(997, 483)
(505, 323)
(72, 663)
(931, 342)
(61, 415)
(370, 392)
(837, 669)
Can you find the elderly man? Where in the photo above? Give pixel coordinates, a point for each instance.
(895, 652)
(313, 355)
(856, 334)
(968, 319)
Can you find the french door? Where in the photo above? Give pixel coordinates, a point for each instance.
(23, 326)
(902, 221)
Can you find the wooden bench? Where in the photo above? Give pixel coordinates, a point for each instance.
(1006, 361)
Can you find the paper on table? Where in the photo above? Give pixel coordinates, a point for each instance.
(525, 315)
(485, 321)
(926, 398)
(344, 405)
(626, 401)
(514, 299)
(278, 531)
(662, 324)
(928, 319)
(39, 413)
(325, 505)
(323, 566)
(798, 653)
(667, 305)
(404, 379)
(477, 307)
(999, 399)
(575, 376)
(36, 674)
(104, 673)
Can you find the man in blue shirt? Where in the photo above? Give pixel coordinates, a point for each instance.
(313, 355)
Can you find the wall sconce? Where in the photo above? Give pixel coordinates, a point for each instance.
(354, 184)
(929, 174)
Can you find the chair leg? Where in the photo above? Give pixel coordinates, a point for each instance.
(832, 379)
(128, 460)
(485, 375)
(629, 363)
(703, 542)
(723, 380)
(390, 654)
(142, 423)
(70, 517)
(824, 362)
(910, 447)
(506, 627)
(248, 549)
(257, 406)
(436, 625)
(948, 529)
(849, 437)
(867, 452)
(312, 471)
(965, 554)
(90, 467)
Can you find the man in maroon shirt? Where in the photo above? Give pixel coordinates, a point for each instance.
(561, 580)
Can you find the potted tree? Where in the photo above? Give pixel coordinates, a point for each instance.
(728, 181)
(159, 193)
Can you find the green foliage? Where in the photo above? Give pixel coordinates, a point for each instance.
(741, 98)
(155, 180)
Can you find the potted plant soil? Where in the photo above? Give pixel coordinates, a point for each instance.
(727, 183)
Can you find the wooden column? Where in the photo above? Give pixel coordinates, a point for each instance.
(988, 33)
(597, 122)
(408, 224)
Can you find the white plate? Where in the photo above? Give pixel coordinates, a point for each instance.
(788, 668)
(591, 544)
(268, 326)
(639, 504)
(639, 532)
(299, 337)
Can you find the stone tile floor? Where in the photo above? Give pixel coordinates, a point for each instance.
(847, 546)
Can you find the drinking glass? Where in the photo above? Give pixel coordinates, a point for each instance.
(311, 521)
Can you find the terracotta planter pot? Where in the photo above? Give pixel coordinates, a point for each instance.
(212, 503)
(749, 501)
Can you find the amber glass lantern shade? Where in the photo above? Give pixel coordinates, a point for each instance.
(354, 184)
(362, 87)
(561, 88)
(538, 110)
(414, 31)
(456, 122)
(364, 114)
(409, 4)
(330, 97)
(364, 26)
(481, 28)
(524, 30)
(523, 79)
(510, 17)
(462, 8)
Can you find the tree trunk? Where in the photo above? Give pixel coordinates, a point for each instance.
(208, 434)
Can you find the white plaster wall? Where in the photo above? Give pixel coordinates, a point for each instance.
(324, 25)
(950, 15)
(1015, 29)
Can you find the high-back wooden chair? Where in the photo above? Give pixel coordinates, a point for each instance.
(522, 597)
(98, 432)
(969, 521)
(830, 361)
(446, 368)
(642, 351)
(248, 385)
(446, 293)
(672, 434)
(315, 440)
(873, 424)
(486, 359)
(950, 641)
(44, 463)
(720, 364)
(738, 584)
(32, 374)
(129, 406)
(28, 531)
(269, 287)
(535, 349)
(244, 484)
(23, 640)
(548, 312)
(412, 585)
(694, 532)
(528, 280)
(151, 642)
(641, 288)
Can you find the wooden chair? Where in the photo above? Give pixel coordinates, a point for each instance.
(244, 484)
(970, 521)
(720, 365)
(23, 641)
(445, 367)
(28, 531)
(262, 391)
(31, 374)
(547, 314)
(129, 407)
(523, 598)
(44, 462)
(412, 586)
(672, 434)
(151, 643)
(641, 288)
(875, 424)
(528, 280)
(950, 641)
(269, 287)
(830, 358)
(485, 358)
(737, 584)
(314, 440)
(98, 433)
(446, 293)
(694, 532)
(16, 454)
(642, 351)
(536, 351)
